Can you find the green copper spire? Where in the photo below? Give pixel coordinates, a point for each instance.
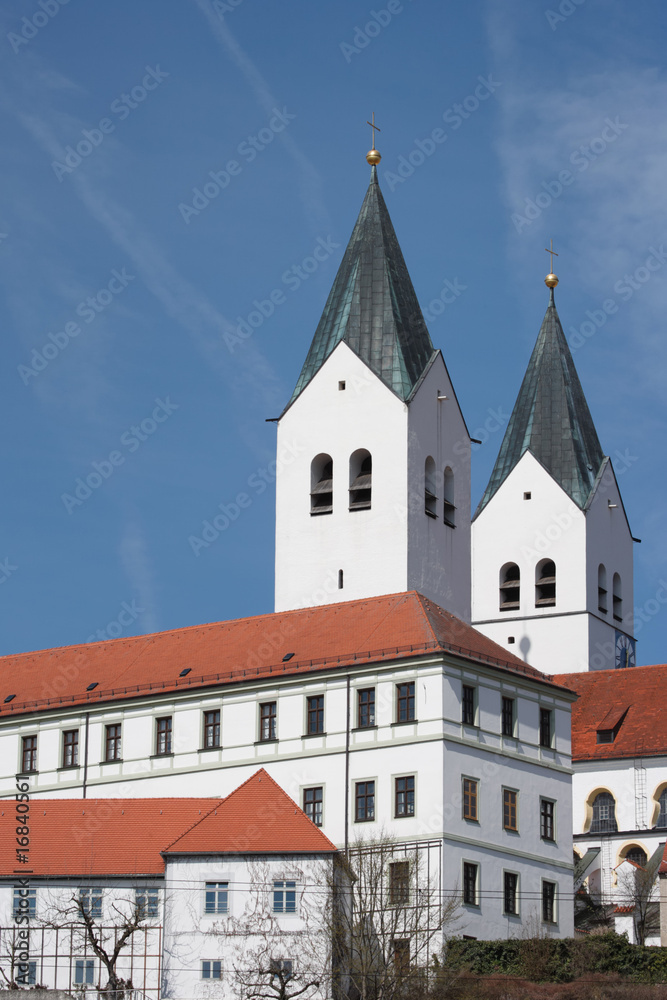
(551, 419)
(372, 305)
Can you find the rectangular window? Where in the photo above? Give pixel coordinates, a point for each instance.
(84, 971)
(267, 720)
(399, 883)
(284, 897)
(71, 748)
(510, 893)
(146, 902)
(508, 716)
(90, 902)
(312, 804)
(404, 799)
(405, 703)
(25, 902)
(211, 969)
(26, 973)
(216, 897)
(470, 883)
(509, 810)
(545, 727)
(163, 734)
(547, 810)
(112, 743)
(401, 948)
(29, 754)
(364, 801)
(549, 902)
(212, 728)
(468, 706)
(315, 721)
(470, 786)
(282, 968)
(366, 708)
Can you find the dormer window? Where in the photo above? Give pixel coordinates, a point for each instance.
(545, 584)
(510, 587)
(321, 485)
(361, 480)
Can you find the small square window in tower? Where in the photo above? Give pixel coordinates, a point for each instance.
(545, 584)
(361, 480)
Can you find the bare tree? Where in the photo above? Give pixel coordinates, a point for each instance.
(637, 886)
(397, 919)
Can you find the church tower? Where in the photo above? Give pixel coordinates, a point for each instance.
(373, 478)
(551, 544)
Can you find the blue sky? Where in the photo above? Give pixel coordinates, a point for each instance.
(123, 289)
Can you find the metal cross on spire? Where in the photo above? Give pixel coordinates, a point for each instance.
(549, 249)
(375, 129)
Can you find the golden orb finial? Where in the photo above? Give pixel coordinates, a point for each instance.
(551, 280)
(372, 156)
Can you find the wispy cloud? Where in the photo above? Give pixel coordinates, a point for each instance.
(136, 561)
(311, 181)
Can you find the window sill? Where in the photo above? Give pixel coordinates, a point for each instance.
(319, 513)
(406, 722)
(370, 819)
(363, 729)
(404, 815)
(259, 743)
(207, 749)
(509, 829)
(67, 767)
(27, 774)
(116, 760)
(309, 736)
(431, 513)
(448, 524)
(469, 819)
(159, 756)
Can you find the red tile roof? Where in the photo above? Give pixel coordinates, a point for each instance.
(257, 818)
(603, 696)
(375, 629)
(101, 837)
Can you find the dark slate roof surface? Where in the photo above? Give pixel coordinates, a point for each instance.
(372, 305)
(551, 419)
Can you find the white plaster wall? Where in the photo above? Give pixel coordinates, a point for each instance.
(439, 556)
(609, 541)
(370, 546)
(249, 931)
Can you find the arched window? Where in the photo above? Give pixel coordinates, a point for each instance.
(510, 584)
(604, 814)
(545, 584)
(662, 815)
(430, 498)
(636, 854)
(602, 589)
(449, 511)
(321, 485)
(361, 480)
(618, 599)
